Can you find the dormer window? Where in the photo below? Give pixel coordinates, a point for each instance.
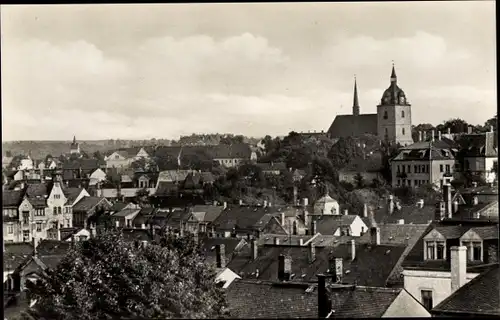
(435, 250)
(474, 250)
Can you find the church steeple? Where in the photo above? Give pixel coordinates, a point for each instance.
(355, 103)
(74, 139)
(394, 78)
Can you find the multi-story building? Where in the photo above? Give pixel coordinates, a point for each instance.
(424, 162)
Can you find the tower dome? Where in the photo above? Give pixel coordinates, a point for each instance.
(394, 95)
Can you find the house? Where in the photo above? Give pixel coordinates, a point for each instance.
(123, 158)
(87, 207)
(369, 264)
(425, 162)
(478, 298)
(14, 255)
(339, 225)
(125, 217)
(200, 216)
(143, 218)
(479, 153)
(233, 155)
(272, 168)
(447, 256)
(12, 224)
(239, 221)
(302, 300)
(97, 176)
(293, 220)
(326, 205)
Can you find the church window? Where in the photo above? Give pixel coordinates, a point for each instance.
(403, 131)
(385, 117)
(402, 115)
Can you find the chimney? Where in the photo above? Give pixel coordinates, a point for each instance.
(353, 250)
(220, 251)
(346, 212)
(365, 210)
(419, 136)
(469, 129)
(475, 200)
(447, 199)
(284, 268)
(306, 217)
(312, 252)
(432, 135)
(439, 135)
(215, 203)
(324, 305)
(241, 202)
(301, 242)
(440, 213)
(117, 223)
(295, 194)
(58, 234)
(390, 204)
(143, 226)
(265, 203)
(458, 267)
(255, 249)
(455, 206)
(305, 202)
(449, 130)
(375, 236)
(313, 228)
(224, 205)
(401, 221)
(282, 218)
(276, 240)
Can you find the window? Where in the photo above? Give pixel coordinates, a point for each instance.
(26, 217)
(416, 183)
(10, 229)
(447, 168)
(403, 131)
(409, 169)
(474, 250)
(426, 298)
(441, 168)
(39, 212)
(426, 168)
(385, 116)
(67, 223)
(38, 227)
(402, 116)
(57, 196)
(399, 182)
(399, 170)
(26, 236)
(415, 169)
(435, 250)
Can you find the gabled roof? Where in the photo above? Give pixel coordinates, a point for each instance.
(37, 190)
(125, 213)
(71, 194)
(437, 150)
(347, 125)
(118, 206)
(88, 203)
(486, 232)
(241, 217)
(479, 145)
(479, 297)
(166, 188)
(173, 175)
(38, 202)
(211, 211)
(237, 150)
(328, 224)
(261, 299)
(12, 198)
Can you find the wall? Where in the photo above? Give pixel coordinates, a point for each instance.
(16, 235)
(438, 282)
(433, 176)
(357, 227)
(406, 306)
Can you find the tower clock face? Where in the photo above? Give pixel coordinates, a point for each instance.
(386, 99)
(401, 100)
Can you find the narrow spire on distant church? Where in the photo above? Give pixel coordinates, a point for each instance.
(394, 78)
(74, 139)
(355, 103)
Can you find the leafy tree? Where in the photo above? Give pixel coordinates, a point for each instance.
(98, 155)
(344, 151)
(423, 127)
(455, 125)
(142, 196)
(49, 156)
(143, 164)
(359, 181)
(108, 278)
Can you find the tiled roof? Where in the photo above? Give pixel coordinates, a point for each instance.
(12, 198)
(125, 212)
(15, 254)
(260, 299)
(319, 240)
(479, 297)
(328, 224)
(52, 248)
(361, 302)
(38, 202)
(349, 125)
(238, 150)
(241, 217)
(409, 213)
(426, 151)
(165, 188)
(372, 265)
(118, 206)
(231, 245)
(37, 190)
(486, 211)
(84, 164)
(87, 203)
(451, 232)
(173, 175)
(211, 212)
(487, 232)
(71, 194)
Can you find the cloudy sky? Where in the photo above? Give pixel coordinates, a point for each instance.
(144, 71)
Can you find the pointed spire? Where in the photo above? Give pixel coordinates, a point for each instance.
(74, 139)
(394, 78)
(355, 103)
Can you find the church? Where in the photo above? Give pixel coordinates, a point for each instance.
(391, 123)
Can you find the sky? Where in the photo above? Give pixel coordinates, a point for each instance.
(164, 70)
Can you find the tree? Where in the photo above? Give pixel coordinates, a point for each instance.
(344, 151)
(142, 196)
(108, 278)
(359, 181)
(98, 155)
(423, 127)
(455, 125)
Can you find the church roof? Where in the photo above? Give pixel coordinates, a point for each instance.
(394, 95)
(347, 125)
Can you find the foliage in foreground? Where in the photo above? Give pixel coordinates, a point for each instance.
(109, 278)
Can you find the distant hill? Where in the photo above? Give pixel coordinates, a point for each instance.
(40, 149)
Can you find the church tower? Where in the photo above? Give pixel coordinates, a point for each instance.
(394, 114)
(75, 147)
(355, 103)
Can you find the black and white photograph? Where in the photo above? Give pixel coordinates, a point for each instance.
(250, 160)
